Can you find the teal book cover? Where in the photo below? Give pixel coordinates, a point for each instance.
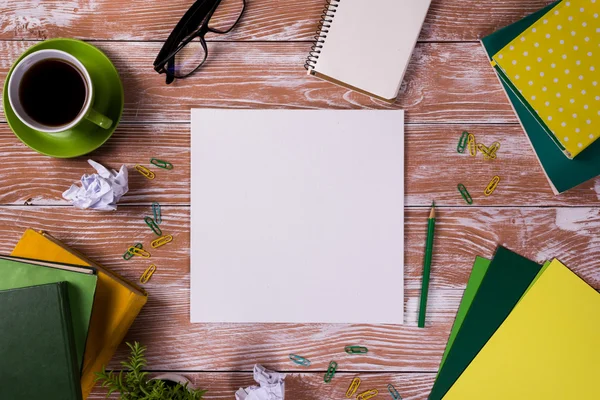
(562, 172)
(37, 347)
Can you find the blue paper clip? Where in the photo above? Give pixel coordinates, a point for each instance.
(330, 372)
(156, 212)
(356, 350)
(300, 360)
(394, 392)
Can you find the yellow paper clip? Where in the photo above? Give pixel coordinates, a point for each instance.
(368, 394)
(492, 185)
(161, 241)
(472, 145)
(139, 252)
(144, 171)
(489, 153)
(493, 149)
(148, 273)
(353, 387)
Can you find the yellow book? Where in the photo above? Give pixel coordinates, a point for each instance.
(547, 348)
(555, 67)
(116, 305)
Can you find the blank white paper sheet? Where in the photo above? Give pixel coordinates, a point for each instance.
(297, 216)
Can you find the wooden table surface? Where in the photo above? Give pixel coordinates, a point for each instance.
(449, 88)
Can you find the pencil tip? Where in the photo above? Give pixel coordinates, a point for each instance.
(432, 213)
(433, 203)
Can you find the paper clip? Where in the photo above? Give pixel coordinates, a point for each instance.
(394, 392)
(161, 241)
(492, 185)
(462, 142)
(489, 153)
(356, 350)
(139, 252)
(148, 273)
(472, 145)
(144, 171)
(156, 212)
(161, 164)
(369, 394)
(464, 193)
(155, 228)
(300, 360)
(493, 149)
(353, 387)
(330, 371)
(129, 255)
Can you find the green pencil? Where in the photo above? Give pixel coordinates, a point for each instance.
(427, 266)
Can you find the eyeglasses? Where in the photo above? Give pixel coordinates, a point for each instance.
(185, 49)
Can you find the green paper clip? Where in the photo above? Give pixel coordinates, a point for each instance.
(129, 255)
(155, 228)
(465, 194)
(161, 164)
(394, 392)
(462, 143)
(356, 349)
(156, 212)
(300, 360)
(330, 371)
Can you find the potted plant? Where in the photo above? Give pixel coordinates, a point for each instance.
(134, 384)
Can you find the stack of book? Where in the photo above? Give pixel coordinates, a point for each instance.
(548, 64)
(522, 331)
(62, 318)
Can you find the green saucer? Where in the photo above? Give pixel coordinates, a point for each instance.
(86, 136)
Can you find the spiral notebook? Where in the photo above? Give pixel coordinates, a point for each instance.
(366, 45)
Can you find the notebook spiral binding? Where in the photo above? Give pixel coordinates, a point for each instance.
(322, 31)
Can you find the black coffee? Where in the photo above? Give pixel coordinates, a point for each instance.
(52, 92)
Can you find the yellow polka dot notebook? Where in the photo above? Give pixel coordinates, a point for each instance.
(555, 68)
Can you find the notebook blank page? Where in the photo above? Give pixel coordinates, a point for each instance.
(370, 43)
(297, 216)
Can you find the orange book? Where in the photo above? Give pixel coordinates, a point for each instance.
(116, 305)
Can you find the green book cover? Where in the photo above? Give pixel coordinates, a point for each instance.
(563, 173)
(507, 278)
(18, 273)
(477, 273)
(37, 347)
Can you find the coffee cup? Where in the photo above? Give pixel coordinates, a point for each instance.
(51, 91)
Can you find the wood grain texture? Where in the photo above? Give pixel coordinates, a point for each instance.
(176, 344)
(433, 168)
(448, 82)
(449, 87)
(310, 386)
(280, 20)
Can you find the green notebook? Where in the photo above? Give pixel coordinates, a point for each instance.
(563, 173)
(508, 276)
(37, 346)
(18, 273)
(477, 273)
